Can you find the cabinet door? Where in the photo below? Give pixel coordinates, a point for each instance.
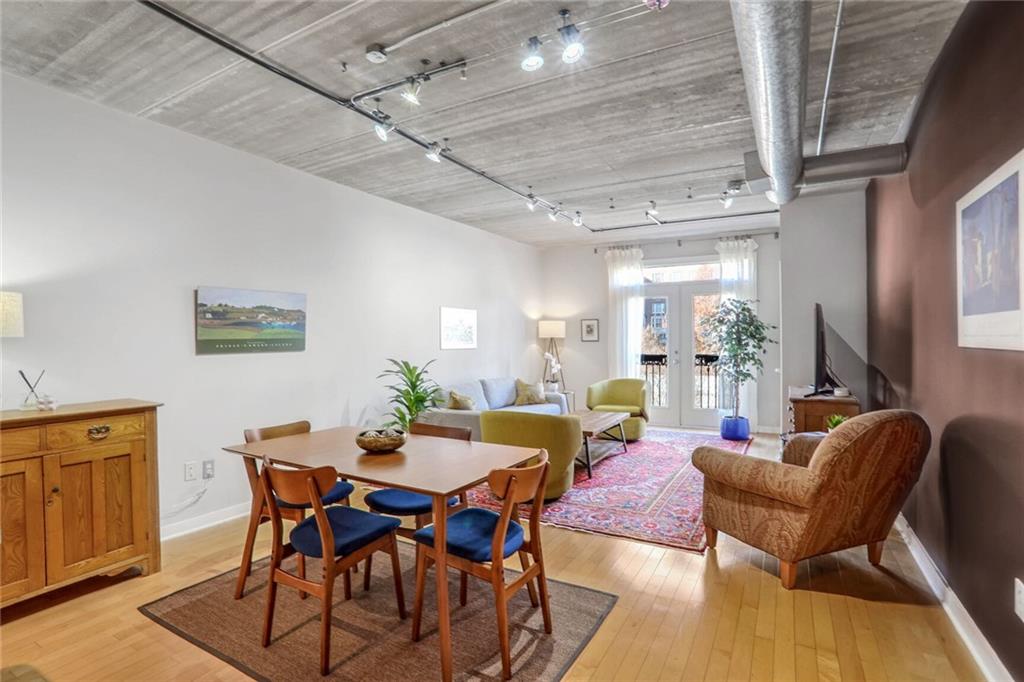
(95, 508)
(22, 543)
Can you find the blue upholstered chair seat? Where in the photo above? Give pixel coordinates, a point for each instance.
(352, 528)
(402, 502)
(470, 532)
(339, 492)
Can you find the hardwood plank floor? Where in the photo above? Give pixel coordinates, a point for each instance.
(680, 616)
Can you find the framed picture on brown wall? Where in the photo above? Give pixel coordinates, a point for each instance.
(990, 269)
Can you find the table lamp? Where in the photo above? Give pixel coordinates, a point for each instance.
(552, 330)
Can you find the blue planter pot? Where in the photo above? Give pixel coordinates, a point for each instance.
(735, 428)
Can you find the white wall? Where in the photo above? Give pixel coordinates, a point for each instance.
(576, 287)
(110, 222)
(824, 260)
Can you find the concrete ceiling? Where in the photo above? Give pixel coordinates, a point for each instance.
(655, 110)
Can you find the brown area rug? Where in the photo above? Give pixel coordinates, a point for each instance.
(368, 640)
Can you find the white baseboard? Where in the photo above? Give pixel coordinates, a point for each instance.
(217, 516)
(984, 655)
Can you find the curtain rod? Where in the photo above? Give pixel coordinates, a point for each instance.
(679, 241)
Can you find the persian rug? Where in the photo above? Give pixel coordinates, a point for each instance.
(651, 493)
(368, 641)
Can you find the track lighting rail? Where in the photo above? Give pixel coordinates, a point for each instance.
(226, 43)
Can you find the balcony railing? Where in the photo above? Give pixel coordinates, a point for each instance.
(710, 392)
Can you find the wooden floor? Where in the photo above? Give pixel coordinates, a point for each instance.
(680, 616)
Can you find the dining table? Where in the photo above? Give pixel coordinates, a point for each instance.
(437, 467)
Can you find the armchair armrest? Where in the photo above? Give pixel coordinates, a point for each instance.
(785, 482)
(800, 447)
(557, 399)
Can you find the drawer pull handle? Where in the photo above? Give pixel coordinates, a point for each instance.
(99, 432)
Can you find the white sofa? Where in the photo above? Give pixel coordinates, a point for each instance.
(487, 394)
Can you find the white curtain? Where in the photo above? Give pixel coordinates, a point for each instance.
(739, 280)
(625, 310)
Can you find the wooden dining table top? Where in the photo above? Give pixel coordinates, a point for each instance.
(425, 464)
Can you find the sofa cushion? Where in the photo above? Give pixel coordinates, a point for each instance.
(499, 392)
(543, 408)
(633, 410)
(457, 401)
(529, 394)
(470, 389)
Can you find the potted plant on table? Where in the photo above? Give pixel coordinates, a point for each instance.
(412, 393)
(742, 339)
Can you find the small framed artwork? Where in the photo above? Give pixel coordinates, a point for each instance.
(458, 328)
(249, 321)
(590, 330)
(990, 269)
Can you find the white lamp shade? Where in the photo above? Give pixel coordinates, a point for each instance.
(12, 318)
(551, 329)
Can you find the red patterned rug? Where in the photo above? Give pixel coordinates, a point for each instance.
(651, 493)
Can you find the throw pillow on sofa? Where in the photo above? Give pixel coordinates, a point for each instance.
(457, 401)
(529, 394)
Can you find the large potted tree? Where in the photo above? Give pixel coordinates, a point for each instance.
(742, 339)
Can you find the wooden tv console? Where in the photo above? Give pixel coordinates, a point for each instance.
(80, 495)
(809, 414)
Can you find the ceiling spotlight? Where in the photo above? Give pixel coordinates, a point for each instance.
(411, 92)
(376, 53)
(653, 210)
(463, 76)
(382, 128)
(573, 50)
(531, 201)
(533, 59)
(725, 199)
(553, 215)
(656, 4)
(434, 153)
(577, 219)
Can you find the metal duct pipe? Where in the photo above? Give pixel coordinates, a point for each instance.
(854, 164)
(773, 42)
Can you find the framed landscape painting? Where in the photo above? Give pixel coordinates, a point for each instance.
(990, 271)
(249, 321)
(458, 328)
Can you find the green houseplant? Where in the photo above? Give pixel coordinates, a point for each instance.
(741, 338)
(834, 420)
(412, 392)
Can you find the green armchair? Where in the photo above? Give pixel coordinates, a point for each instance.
(561, 436)
(622, 395)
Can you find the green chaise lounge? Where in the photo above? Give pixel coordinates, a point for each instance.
(561, 436)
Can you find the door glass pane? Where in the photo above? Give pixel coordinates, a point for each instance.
(654, 349)
(707, 393)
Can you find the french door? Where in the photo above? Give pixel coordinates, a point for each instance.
(678, 364)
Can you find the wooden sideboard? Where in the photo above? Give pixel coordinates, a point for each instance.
(809, 414)
(79, 495)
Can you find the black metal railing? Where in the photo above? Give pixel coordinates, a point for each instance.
(710, 392)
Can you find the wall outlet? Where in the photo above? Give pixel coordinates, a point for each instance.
(1018, 598)
(207, 469)
(191, 470)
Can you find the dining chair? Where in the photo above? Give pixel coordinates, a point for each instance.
(479, 541)
(295, 513)
(401, 503)
(341, 536)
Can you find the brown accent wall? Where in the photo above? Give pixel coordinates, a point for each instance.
(968, 508)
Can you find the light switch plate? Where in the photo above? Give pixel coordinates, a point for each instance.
(1018, 598)
(207, 469)
(191, 470)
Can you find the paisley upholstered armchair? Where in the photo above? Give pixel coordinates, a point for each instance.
(828, 493)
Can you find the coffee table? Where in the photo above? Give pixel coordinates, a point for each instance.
(600, 423)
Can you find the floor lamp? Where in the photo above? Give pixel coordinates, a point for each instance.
(552, 330)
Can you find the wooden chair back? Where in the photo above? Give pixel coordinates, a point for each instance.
(513, 486)
(298, 486)
(438, 431)
(279, 431)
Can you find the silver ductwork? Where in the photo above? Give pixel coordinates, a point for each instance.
(854, 164)
(773, 42)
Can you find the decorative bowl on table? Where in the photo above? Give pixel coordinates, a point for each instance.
(379, 441)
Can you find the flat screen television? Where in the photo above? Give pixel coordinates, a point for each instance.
(824, 380)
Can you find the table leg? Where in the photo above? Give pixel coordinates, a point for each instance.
(586, 451)
(441, 573)
(622, 432)
(255, 512)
